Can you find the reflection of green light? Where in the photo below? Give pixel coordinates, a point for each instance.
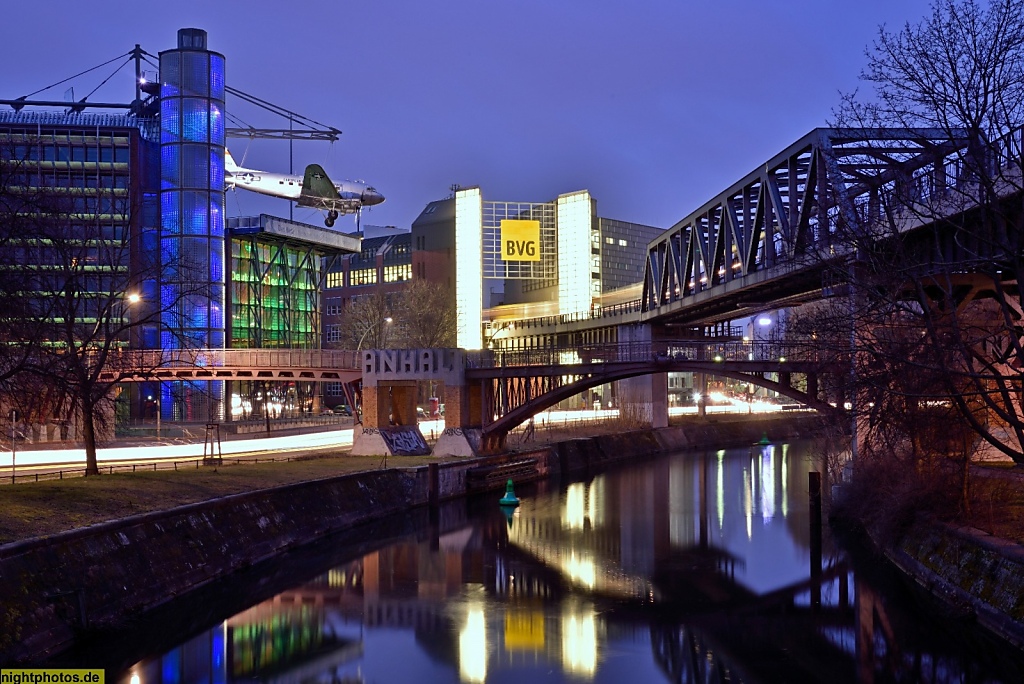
(581, 569)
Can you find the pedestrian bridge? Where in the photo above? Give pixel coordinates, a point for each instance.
(314, 365)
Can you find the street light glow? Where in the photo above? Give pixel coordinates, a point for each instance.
(366, 332)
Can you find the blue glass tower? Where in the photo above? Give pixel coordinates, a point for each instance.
(192, 141)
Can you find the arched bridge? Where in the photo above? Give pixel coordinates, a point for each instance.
(517, 385)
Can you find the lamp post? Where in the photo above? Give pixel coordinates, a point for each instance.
(14, 439)
(157, 402)
(371, 327)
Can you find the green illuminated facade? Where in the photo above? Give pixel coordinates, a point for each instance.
(276, 275)
(274, 292)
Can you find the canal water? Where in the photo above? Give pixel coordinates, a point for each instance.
(696, 567)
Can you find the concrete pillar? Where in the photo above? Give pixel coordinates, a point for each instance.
(463, 418)
(643, 400)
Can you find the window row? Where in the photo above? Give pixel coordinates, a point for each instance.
(49, 152)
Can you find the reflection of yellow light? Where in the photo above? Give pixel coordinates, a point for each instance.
(473, 647)
(720, 489)
(579, 643)
(575, 506)
(592, 511)
(581, 570)
(524, 630)
(748, 498)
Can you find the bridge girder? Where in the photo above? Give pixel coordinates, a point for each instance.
(767, 240)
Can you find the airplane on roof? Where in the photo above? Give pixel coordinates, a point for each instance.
(313, 189)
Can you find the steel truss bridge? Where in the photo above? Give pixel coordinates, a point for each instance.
(779, 236)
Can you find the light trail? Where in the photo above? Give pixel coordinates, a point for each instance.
(166, 452)
(309, 441)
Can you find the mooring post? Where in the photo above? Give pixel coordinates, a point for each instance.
(814, 491)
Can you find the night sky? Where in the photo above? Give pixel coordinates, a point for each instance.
(654, 106)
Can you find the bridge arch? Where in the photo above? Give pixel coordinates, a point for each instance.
(588, 376)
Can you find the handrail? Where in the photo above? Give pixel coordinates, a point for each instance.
(660, 350)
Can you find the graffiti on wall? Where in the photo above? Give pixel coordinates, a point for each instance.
(405, 441)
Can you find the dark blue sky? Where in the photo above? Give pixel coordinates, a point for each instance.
(654, 105)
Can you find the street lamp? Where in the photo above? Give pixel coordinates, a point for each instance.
(371, 327)
(157, 401)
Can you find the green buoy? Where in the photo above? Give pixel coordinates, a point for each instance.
(764, 439)
(510, 498)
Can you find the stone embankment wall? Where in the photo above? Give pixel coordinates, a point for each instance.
(977, 575)
(106, 575)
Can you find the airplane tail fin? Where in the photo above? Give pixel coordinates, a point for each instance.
(229, 162)
(316, 184)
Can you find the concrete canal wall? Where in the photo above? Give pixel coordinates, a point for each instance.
(106, 575)
(977, 575)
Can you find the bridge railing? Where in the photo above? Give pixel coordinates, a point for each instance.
(147, 360)
(595, 313)
(661, 350)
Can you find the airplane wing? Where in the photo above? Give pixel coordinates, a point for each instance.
(317, 188)
(319, 192)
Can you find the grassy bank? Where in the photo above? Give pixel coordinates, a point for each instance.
(36, 509)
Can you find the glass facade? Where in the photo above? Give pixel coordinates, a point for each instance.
(192, 193)
(621, 249)
(85, 172)
(192, 290)
(542, 273)
(575, 270)
(274, 295)
(469, 268)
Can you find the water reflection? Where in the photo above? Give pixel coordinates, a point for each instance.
(652, 573)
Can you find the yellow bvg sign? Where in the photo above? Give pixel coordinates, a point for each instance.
(520, 240)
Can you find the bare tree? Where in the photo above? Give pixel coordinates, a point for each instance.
(936, 285)
(71, 295)
(425, 314)
(368, 322)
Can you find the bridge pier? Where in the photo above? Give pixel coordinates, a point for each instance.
(390, 426)
(643, 400)
(463, 418)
